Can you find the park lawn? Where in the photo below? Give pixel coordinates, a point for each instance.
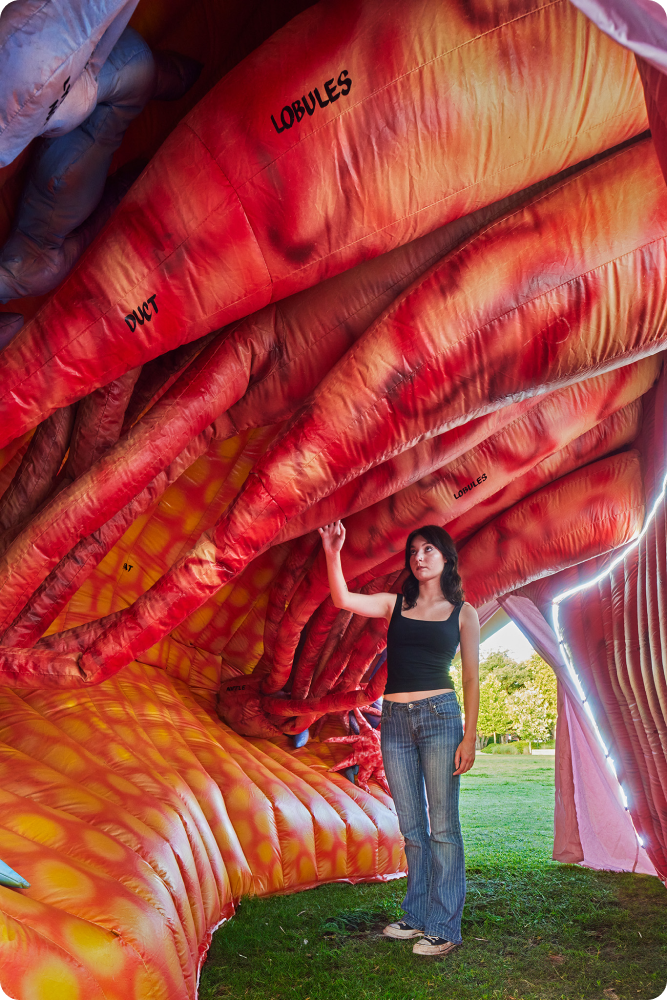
(533, 929)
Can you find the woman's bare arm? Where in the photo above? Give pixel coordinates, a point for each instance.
(469, 628)
(368, 605)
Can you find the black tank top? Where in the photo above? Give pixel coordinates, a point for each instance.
(419, 653)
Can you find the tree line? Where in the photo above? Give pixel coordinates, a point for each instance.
(517, 700)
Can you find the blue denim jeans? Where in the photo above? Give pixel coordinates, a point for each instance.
(419, 740)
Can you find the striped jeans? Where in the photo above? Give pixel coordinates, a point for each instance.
(419, 740)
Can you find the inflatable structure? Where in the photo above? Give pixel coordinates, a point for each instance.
(397, 263)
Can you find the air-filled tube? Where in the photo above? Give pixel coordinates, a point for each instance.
(445, 352)
(400, 135)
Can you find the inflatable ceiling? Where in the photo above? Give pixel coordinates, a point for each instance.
(400, 263)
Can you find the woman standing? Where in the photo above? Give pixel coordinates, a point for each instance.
(423, 747)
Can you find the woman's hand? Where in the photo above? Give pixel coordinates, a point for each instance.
(368, 605)
(333, 536)
(464, 758)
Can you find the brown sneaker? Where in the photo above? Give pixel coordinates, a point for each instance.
(430, 945)
(401, 931)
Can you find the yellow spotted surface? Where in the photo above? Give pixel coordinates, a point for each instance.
(136, 815)
(140, 819)
(231, 623)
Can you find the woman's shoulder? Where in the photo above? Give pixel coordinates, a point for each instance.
(394, 604)
(468, 613)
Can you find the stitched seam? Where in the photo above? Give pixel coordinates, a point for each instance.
(398, 79)
(69, 58)
(233, 188)
(472, 333)
(468, 187)
(104, 314)
(522, 418)
(452, 467)
(418, 269)
(468, 240)
(114, 305)
(564, 484)
(100, 421)
(606, 517)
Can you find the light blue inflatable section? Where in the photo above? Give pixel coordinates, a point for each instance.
(51, 54)
(68, 170)
(67, 173)
(11, 878)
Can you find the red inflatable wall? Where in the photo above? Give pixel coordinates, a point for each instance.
(404, 263)
(234, 211)
(615, 632)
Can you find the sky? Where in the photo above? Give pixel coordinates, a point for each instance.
(509, 638)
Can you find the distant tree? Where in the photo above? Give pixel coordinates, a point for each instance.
(494, 714)
(501, 675)
(528, 710)
(455, 674)
(512, 675)
(544, 679)
(495, 661)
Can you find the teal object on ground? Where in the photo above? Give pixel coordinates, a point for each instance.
(11, 878)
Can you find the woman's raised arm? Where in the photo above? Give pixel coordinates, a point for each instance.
(368, 605)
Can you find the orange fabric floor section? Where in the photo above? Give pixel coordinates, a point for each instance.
(136, 851)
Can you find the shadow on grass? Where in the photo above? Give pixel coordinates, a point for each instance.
(533, 929)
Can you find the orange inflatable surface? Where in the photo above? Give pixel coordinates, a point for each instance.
(402, 263)
(140, 820)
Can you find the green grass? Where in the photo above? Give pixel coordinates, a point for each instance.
(519, 746)
(533, 929)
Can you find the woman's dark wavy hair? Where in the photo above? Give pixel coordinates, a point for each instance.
(450, 581)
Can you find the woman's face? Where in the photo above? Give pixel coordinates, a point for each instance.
(426, 562)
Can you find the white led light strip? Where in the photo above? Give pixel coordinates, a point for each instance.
(555, 604)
